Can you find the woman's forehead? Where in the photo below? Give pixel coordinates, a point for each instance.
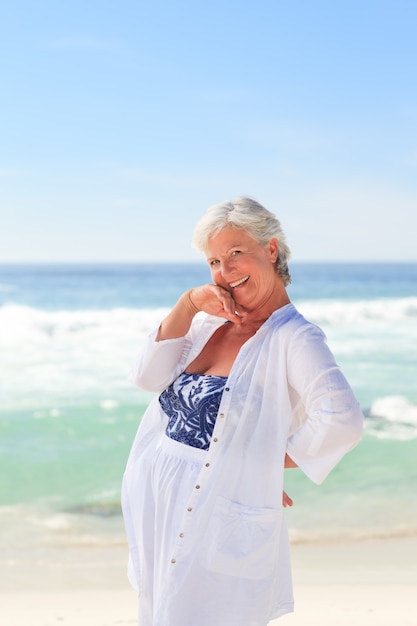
(231, 237)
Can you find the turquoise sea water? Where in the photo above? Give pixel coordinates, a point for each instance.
(68, 335)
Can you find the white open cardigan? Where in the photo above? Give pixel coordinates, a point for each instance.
(285, 394)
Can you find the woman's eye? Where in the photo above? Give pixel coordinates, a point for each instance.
(235, 252)
(212, 263)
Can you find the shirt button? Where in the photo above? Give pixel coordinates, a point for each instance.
(197, 486)
(181, 535)
(207, 464)
(173, 561)
(215, 439)
(189, 509)
(221, 414)
(227, 388)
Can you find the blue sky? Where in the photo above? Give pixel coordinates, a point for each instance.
(121, 122)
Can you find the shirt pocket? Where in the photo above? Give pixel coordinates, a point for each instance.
(242, 540)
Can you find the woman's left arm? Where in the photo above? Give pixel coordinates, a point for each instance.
(333, 421)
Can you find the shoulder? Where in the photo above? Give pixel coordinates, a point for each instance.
(289, 319)
(205, 325)
(288, 328)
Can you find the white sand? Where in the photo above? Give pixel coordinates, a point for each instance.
(362, 583)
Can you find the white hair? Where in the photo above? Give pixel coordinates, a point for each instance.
(246, 214)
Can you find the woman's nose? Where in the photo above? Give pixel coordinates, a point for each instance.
(226, 267)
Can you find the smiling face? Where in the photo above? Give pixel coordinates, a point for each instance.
(244, 267)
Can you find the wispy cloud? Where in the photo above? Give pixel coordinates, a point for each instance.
(82, 43)
(411, 159)
(297, 138)
(161, 177)
(8, 172)
(220, 95)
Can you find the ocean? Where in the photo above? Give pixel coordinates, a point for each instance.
(68, 336)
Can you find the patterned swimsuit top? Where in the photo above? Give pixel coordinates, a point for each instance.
(191, 403)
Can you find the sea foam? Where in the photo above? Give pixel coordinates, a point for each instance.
(19, 322)
(48, 356)
(336, 312)
(393, 417)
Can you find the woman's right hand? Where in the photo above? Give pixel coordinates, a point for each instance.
(211, 299)
(215, 300)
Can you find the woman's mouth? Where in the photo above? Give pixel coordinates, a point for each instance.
(239, 282)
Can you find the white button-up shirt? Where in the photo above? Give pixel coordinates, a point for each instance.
(284, 394)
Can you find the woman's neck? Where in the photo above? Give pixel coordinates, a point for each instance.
(252, 320)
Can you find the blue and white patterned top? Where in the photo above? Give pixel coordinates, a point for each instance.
(191, 403)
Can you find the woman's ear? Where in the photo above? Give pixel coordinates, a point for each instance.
(273, 250)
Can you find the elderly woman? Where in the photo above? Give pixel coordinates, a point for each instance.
(243, 391)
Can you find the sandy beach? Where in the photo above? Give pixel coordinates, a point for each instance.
(365, 583)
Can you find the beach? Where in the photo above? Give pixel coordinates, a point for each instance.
(361, 583)
(67, 425)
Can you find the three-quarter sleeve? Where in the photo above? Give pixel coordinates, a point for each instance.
(160, 362)
(157, 364)
(332, 420)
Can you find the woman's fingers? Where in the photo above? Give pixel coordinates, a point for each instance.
(229, 306)
(286, 500)
(217, 301)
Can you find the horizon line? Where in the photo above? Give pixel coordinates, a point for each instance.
(202, 262)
